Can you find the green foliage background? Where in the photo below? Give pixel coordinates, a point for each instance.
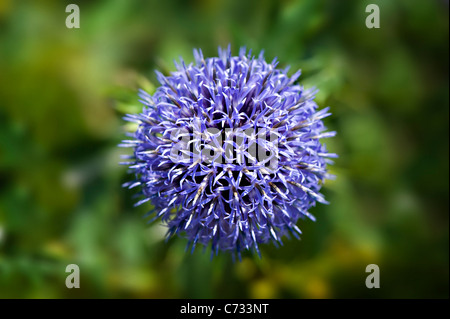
(63, 93)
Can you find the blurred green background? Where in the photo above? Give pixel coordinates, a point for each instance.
(63, 93)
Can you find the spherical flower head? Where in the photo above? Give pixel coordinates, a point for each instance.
(228, 152)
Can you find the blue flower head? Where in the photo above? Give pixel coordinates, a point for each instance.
(228, 151)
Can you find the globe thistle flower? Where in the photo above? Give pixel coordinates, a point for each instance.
(228, 152)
